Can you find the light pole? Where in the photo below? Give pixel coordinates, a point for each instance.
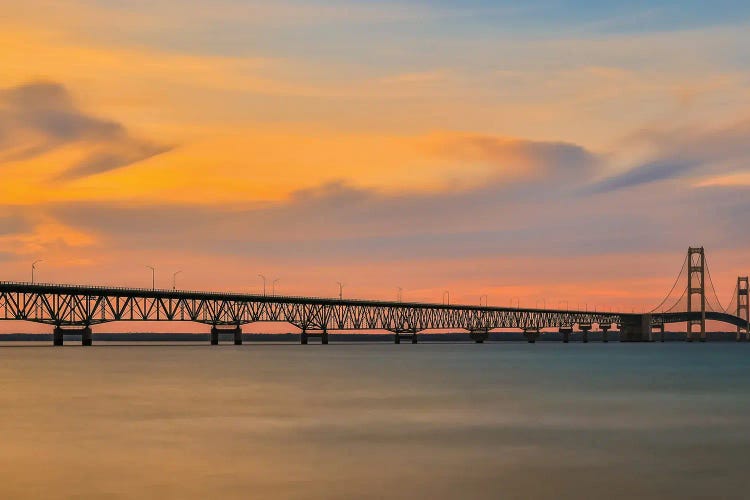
(33, 268)
(341, 290)
(273, 286)
(153, 277)
(448, 293)
(399, 294)
(518, 302)
(485, 300)
(264, 284)
(174, 279)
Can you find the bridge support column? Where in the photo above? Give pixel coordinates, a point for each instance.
(86, 339)
(406, 334)
(479, 335)
(57, 336)
(605, 330)
(59, 332)
(585, 328)
(660, 328)
(306, 335)
(235, 330)
(743, 307)
(531, 334)
(635, 328)
(566, 331)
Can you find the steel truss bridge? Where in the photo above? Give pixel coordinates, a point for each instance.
(76, 308)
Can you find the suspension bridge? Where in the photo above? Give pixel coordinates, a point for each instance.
(75, 309)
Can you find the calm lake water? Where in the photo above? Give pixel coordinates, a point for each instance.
(508, 420)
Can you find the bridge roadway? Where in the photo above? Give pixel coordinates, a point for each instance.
(74, 308)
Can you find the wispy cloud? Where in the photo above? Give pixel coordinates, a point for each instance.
(39, 117)
(685, 152)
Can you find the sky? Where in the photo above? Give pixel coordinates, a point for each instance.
(558, 153)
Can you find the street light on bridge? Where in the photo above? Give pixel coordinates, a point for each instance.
(485, 300)
(341, 290)
(264, 284)
(273, 286)
(174, 279)
(33, 268)
(399, 294)
(518, 302)
(448, 293)
(153, 277)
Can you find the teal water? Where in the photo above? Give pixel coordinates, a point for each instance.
(507, 420)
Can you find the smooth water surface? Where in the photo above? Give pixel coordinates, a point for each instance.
(505, 420)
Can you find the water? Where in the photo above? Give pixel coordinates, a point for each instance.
(440, 421)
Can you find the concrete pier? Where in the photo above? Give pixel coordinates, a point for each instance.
(479, 336)
(605, 329)
(306, 334)
(57, 336)
(408, 334)
(86, 338)
(566, 331)
(635, 328)
(531, 334)
(235, 330)
(585, 329)
(58, 333)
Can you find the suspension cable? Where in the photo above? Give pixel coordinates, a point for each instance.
(673, 286)
(708, 271)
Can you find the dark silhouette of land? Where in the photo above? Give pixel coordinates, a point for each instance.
(340, 337)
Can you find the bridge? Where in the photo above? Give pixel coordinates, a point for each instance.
(74, 309)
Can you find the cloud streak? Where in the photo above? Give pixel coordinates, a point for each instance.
(683, 153)
(40, 117)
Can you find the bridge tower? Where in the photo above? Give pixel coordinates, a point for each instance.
(743, 307)
(695, 286)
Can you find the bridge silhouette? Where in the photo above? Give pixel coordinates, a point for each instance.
(74, 309)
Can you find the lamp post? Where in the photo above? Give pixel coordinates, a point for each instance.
(33, 268)
(448, 294)
(341, 290)
(485, 300)
(399, 294)
(264, 284)
(153, 277)
(518, 302)
(273, 286)
(174, 279)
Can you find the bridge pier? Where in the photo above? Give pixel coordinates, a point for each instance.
(306, 335)
(406, 334)
(635, 328)
(660, 328)
(235, 330)
(531, 334)
(585, 328)
(59, 332)
(479, 335)
(566, 331)
(605, 329)
(57, 336)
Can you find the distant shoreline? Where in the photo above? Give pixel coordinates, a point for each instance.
(341, 337)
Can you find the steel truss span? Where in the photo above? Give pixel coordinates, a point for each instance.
(83, 306)
(72, 305)
(76, 306)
